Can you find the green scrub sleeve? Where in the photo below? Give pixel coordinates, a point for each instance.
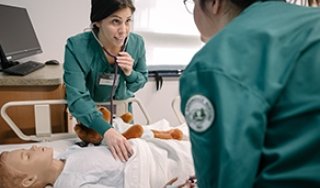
(100, 125)
(80, 103)
(132, 77)
(220, 152)
(139, 76)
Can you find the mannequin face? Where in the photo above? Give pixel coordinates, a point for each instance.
(114, 29)
(33, 161)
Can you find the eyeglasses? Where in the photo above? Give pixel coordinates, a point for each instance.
(189, 4)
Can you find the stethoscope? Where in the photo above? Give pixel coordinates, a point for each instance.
(123, 48)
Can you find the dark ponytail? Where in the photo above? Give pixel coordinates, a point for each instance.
(242, 4)
(245, 3)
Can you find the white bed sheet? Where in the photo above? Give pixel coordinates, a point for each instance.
(154, 162)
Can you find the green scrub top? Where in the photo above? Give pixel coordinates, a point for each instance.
(88, 77)
(251, 99)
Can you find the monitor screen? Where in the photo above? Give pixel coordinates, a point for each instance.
(17, 36)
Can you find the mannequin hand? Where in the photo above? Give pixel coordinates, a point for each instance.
(314, 3)
(189, 183)
(125, 62)
(118, 145)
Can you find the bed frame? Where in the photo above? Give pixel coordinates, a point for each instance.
(42, 115)
(175, 104)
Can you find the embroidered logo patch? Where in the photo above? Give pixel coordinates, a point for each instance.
(199, 113)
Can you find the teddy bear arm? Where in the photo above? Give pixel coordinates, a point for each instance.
(135, 131)
(169, 134)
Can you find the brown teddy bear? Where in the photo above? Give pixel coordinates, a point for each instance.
(88, 135)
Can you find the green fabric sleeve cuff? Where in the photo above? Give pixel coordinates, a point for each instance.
(100, 125)
(133, 76)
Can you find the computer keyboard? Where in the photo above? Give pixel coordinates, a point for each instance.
(24, 68)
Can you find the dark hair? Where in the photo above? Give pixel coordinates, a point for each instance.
(242, 4)
(101, 9)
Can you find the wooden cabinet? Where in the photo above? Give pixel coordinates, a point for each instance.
(42, 84)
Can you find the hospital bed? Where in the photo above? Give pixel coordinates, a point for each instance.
(42, 116)
(154, 163)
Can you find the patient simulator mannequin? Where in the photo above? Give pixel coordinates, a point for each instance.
(37, 168)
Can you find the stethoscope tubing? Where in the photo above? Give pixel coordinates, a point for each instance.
(124, 46)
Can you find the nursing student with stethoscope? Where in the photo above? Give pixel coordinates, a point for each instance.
(103, 64)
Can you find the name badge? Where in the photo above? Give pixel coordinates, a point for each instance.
(107, 79)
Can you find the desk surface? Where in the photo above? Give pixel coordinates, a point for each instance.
(46, 76)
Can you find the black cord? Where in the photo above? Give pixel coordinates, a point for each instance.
(114, 82)
(123, 48)
(159, 81)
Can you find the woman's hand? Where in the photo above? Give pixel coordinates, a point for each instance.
(125, 62)
(118, 145)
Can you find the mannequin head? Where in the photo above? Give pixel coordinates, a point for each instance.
(34, 167)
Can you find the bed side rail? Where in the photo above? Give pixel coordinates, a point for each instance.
(41, 114)
(175, 104)
(43, 122)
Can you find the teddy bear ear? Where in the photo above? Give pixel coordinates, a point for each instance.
(127, 117)
(105, 112)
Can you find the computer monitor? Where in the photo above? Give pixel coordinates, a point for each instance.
(17, 36)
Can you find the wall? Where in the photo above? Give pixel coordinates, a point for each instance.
(158, 102)
(169, 31)
(55, 21)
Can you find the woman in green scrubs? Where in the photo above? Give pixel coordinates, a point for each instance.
(89, 70)
(251, 95)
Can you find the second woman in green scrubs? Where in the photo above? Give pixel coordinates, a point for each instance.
(251, 95)
(89, 71)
